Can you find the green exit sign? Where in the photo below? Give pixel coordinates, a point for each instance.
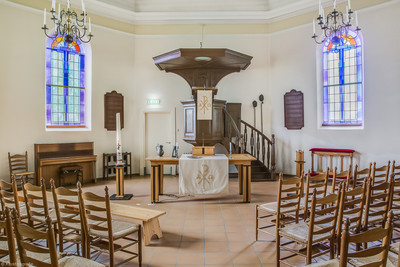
(153, 101)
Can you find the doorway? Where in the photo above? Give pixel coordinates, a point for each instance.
(159, 129)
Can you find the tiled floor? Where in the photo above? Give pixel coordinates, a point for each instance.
(210, 230)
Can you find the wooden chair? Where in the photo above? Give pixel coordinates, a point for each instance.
(395, 171)
(69, 225)
(318, 182)
(7, 241)
(377, 203)
(337, 178)
(36, 205)
(360, 175)
(287, 205)
(381, 174)
(18, 165)
(314, 234)
(9, 198)
(376, 255)
(36, 255)
(351, 209)
(102, 231)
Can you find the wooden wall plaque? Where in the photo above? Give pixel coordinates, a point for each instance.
(113, 104)
(294, 110)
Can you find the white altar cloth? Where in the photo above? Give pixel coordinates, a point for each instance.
(203, 175)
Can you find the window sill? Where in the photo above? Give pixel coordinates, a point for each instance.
(344, 127)
(67, 129)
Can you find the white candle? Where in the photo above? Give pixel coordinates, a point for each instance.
(53, 4)
(347, 14)
(69, 4)
(319, 8)
(59, 11)
(44, 17)
(84, 20)
(230, 148)
(83, 7)
(119, 143)
(323, 15)
(90, 26)
(334, 5)
(349, 5)
(313, 24)
(356, 19)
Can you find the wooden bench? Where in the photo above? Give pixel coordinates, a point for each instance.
(149, 217)
(330, 152)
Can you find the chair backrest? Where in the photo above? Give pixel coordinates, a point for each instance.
(394, 202)
(318, 184)
(18, 163)
(9, 196)
(24, 235)
(337, 178)
(371, 235)
(378, 201)
(289, 195)
(323, 216)
(360, 175)
(395, 171)
(7, 235)
(35, 200)
(66, 204)
(352, 208)
(380, 174)
(95, 210)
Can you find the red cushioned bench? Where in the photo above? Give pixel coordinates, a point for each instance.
(330, 152)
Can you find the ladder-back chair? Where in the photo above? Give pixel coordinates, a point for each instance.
(360, 175)
(381, 174)
(18, 166)
(9, 198)
(320, 184)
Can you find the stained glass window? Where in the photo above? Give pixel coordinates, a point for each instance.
(65, 84)
(343, 81)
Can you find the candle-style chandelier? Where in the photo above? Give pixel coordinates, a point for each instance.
(68, 25)
(335, 24)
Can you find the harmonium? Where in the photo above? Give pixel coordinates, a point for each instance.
(49, 158)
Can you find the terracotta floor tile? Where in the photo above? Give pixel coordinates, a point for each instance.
(238, 237)
(215, 236)
(190, 258)
(164, 257)
(192, 246)
(216, 246)
(249, 258)
(223, 258)
(240, 246)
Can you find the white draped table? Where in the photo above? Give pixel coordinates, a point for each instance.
(203, 175)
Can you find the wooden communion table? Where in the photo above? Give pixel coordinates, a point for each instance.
(242, 161)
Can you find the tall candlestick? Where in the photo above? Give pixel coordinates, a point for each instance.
(119, 143)
(349, 5)
(313, 24)
(53, 4)
(44, 17)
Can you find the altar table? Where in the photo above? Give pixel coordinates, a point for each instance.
(242, 161)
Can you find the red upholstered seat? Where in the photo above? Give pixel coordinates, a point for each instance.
(332, 150)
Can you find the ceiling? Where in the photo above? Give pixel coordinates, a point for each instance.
(201, 11)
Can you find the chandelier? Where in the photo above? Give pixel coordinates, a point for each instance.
(335, 24)
(68, 25)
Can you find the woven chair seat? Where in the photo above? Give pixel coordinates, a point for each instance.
(77, 262)
(329, 263)
(395, 247)
(22, 209)
(23, 173)
(299, 232)
(39, 256)
(120, 229)
(271, 208)
(52, 215)
(391, 261)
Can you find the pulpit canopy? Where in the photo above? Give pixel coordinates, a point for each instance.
(202, 66)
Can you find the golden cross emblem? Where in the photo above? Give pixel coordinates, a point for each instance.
(204, 177)
(205, 105)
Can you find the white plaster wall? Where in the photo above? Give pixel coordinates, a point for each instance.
(293, 66)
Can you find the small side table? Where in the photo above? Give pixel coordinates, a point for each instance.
(119, 182)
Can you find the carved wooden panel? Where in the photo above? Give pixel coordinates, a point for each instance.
(113, 104)
(294, 110)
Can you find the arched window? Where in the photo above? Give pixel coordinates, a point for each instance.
(65, 84)
(343, 81)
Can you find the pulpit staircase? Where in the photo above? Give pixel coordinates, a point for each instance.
(248, 139)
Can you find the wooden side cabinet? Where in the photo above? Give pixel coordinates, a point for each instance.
(109, 160)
